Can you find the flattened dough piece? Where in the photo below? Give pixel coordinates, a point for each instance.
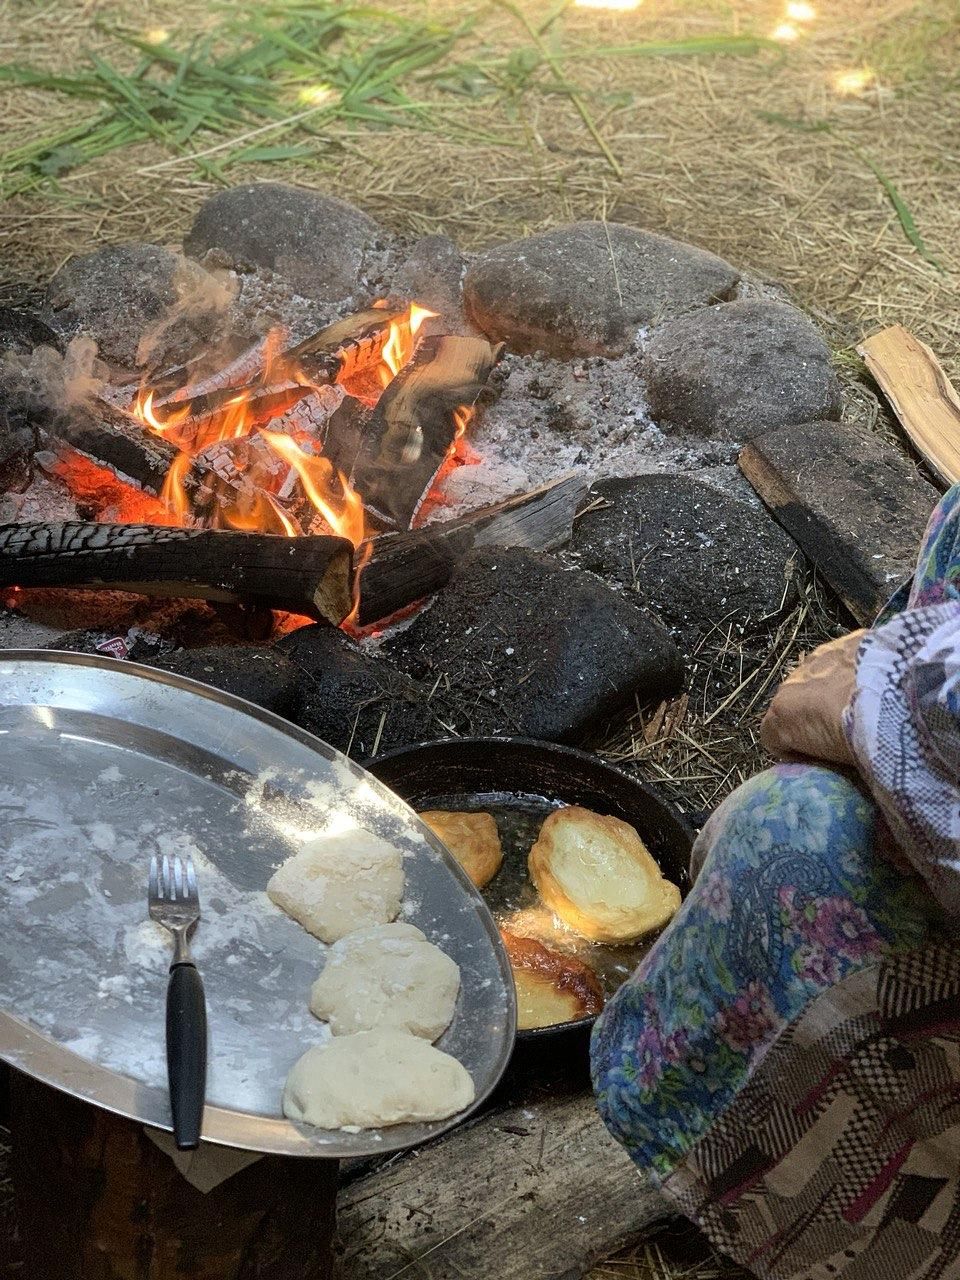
(599, 877)
(387, 977)
(373, 1079)
(472, 838)
(336, 884)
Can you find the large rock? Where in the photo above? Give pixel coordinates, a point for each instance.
(688, 553)
(122, 294)
(736, 370)
(356, 700)
(316, 242)
(259, 675)
(528, 647)
(586, 289)
(432, 275)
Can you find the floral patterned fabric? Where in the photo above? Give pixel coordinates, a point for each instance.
(795, 916)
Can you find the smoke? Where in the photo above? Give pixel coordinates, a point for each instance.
(203, 298)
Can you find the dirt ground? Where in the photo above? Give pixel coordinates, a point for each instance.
(828, 161)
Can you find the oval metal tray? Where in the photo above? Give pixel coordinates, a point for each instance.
(103, 764)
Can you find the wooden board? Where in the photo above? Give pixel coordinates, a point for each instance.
(533, 1190)
(920, 394)
(855, 506)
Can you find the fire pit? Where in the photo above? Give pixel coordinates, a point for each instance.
(293, 440)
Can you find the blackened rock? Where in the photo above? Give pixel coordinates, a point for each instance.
(260, 675)
(533, 649)
(21, 331)
(121, 294)
(357, 701)
(316, 242)
(688, 553)
(739, 369)
(586, 289)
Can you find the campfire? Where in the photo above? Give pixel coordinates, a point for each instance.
(275, 476)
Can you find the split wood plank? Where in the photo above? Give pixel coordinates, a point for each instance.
(406, 567)
(855, 506)
(920, 394)
(535, 1191)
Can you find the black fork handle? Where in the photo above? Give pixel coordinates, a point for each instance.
(186, 1052)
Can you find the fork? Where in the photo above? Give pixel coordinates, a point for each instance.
(174, 902)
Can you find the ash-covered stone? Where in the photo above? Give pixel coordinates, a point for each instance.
(739, 369)
(586, 289)
(260, 675)
(22, 403)
(528, 647)
(432, 275)
(21, 331)
(317, 242)
(694, 557)
(124, 295)
(355, 699)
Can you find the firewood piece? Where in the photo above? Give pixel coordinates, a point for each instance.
(201, 419)
(921, 395)
(99, 1199)
(244, 364)
(310, 575)
(344, 348)
(855, 506)
(406, 567)
(414, 426)
(119, 442)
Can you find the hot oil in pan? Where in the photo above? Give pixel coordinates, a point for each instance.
(512, 898)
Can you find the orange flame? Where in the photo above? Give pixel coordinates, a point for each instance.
(320, 481)
(399, 346)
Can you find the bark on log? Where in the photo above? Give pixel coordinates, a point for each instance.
(406, 567)
(414, 426)
(119, 442)
(921, 395)
(99, 1201)
(311, 575)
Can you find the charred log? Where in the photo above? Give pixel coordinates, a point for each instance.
(311, 575)
(406, 567)
(345, 348)
(415, 425)
(119, 442)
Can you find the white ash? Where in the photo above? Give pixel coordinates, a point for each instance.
(590, 416)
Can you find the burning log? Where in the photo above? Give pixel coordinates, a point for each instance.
(117, 441)
(415, 425)
(194, 422)
(406, 567)
(346, 347)
(311, 575)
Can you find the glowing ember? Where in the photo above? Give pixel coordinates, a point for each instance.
(854, 80)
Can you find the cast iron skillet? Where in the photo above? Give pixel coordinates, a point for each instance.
(522, 775)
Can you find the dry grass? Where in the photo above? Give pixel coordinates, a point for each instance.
(757, 158)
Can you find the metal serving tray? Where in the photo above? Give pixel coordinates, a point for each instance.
(103, 764)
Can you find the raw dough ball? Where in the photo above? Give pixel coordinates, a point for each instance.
(599, 877)
(336, 884)
(388, 976)
(472, 838)
(375, 1078)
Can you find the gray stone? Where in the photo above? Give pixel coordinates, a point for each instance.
(259, 675)
(530, 648)
(586, 289)
(856, 506)
(354, 699)
(739, 369)
(432, 275)
(315, 241)
(688, 553)
(122, 294)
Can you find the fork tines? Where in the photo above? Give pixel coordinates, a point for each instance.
(172, 880)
